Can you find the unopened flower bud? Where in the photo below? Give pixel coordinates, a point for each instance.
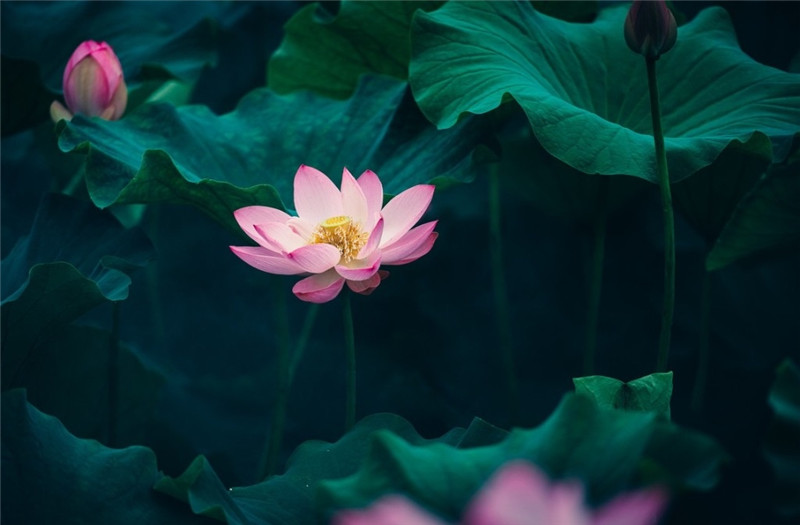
(93, 84)
(650, 28)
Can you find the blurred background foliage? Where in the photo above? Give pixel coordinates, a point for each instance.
(198, 330)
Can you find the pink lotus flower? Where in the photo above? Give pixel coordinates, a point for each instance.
(519, 494)
(93, 84)
(338, 236)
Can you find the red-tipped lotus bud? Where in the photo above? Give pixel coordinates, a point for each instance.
(650, 28)
(93, 84)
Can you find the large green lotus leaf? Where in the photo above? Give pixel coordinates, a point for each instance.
(782, 446)
(766, 220)
(708, 198)
(249, 156)
(609, 450)
(162, 42)
(585, 93)
(328, 54)
(649, 393)
(50, 476)
(289, 498)
(67, 377)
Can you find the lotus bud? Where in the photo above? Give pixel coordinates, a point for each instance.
(650, 28)
(93, 84)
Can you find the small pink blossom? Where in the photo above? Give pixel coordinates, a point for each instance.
(338, 236)
(519, 494)
(93, 84)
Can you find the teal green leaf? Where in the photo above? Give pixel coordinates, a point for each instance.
(75, 258)
(200, 487)
(75, 359)
(328, 54)
(609, 450)
(708, 198)
(70, 230)
(221, 163)
(766, 220)
(50, 476)
(290, 498)
(782, 446)
(164, 42)
(55, 294)
(678, 458)
(651, 393)
(585, 93)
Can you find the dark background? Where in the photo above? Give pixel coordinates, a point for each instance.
(426, 340)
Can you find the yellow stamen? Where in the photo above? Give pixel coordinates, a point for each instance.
(343, 233)
(335, 222)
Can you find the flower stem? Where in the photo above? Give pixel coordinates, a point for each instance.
(669, 221)
(302, 341)
(596, 276)
(501, 308)
(113, 374)
(287, 366)
(153, 280)
(350, 349)
(705, 342)
(269, 460)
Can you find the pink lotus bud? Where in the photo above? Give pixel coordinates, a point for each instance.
(93, 84)
(650, 28)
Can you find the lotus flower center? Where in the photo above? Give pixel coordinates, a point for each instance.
(343, 233)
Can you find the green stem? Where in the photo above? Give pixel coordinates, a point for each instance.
(501, 308)
(705, 344)
(302, 341)
(269, 461)
(596, 276)
(113, 374)
(153, 284)
(669, 222)
(350, 349)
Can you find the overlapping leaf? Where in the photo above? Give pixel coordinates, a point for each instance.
(290, 498)
(328, 54)
(50, 476)
(766, 220)
(73, 231)
(75, 258)
(709, 197)
(585, 93)
(607, 449)
(249, 156)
